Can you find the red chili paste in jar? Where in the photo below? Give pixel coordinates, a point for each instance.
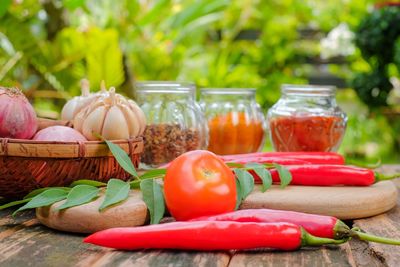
(307, 133)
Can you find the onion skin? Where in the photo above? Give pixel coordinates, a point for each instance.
(59, 134)
(17, 117)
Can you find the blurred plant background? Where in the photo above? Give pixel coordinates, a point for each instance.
(47, 47)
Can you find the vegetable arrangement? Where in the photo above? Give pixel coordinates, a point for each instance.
(245, 229)
(199, 188)
(212, 187)
(206, 207)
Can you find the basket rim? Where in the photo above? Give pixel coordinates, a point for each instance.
(29, 141)
(60, 149)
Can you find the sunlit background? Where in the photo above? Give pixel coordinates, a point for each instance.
(47, 47)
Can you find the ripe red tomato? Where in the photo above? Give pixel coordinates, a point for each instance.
(198, 183)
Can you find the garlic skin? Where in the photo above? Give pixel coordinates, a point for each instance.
(112, 116)
(77, 103)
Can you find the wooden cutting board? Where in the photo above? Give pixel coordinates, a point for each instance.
(341, 202)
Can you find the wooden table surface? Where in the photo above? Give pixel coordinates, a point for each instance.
(24, 242)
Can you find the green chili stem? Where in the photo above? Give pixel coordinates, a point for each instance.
(384, 177)
(355, 232)
(357, 163)
(310, 240)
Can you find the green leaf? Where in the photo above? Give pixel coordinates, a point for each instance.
(154, 13)
(46, 198)
(263, 173)
(254, 165)
(122, 157)
(88, 182)
(36, 192)
(284, 175)
(238, 194)
(104, 59)
(265, 177)
(15, 203)
(156, 173)
(234, 165)
(117, 191)
(135, 184)
(154, 198)
(5, 4)
(80, 194)
(73, 4)
(246, 181)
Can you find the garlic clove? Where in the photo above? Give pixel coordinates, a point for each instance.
(131, 120)
(93, 123)
(140, 115)
(67, 112)
(74, 105)
(80, 117)
(83, 103)
(115, 126)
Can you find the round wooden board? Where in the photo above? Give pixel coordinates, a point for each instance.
(87, 218)
(341, 202)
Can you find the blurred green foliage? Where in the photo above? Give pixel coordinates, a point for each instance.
(376, 37)
(47, 46)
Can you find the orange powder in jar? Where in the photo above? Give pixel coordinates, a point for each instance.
(308, 133)
(234, 133)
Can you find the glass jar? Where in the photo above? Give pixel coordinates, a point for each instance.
(235, 121)
(307, 118)
(175, 122)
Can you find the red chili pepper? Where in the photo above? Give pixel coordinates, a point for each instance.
(311, 157)
(317, 225)
(209, 235)
(330, 175)
(262, 160)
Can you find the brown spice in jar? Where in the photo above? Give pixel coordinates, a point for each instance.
(165, 142)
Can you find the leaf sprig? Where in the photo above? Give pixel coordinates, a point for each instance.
(245, 180)
(116, 191)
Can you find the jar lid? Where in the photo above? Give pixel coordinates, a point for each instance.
(165, 87)
(308, 89)
(230, 91)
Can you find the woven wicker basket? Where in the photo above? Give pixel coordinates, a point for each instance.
(26, 165)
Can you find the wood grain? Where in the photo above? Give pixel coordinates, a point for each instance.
(387, 225)
(341, 202)
(319, 257)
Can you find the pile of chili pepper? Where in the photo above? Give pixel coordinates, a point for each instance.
(244, 229)
(313, 168)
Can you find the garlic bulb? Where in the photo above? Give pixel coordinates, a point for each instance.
(76, 104)
(112, 116)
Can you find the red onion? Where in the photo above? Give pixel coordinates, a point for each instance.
(17, 117)
(59, 133)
